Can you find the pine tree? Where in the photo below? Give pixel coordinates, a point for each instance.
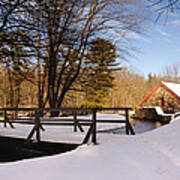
(100, 64)
(15, 56)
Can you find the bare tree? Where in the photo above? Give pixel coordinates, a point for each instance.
(65, 29)
(129, 88)
(171, 73)
(165, 6)
(8, 11)
(60, 31)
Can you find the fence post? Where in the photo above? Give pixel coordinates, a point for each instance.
(75, 121)
(37, 124)
(127, 121)
(5, 118)
(94, 127)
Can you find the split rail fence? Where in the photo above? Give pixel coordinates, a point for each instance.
(40, 117)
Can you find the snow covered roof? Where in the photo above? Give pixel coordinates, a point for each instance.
(173, 88)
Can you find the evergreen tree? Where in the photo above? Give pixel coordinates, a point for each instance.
(100, 64)
(15, 56)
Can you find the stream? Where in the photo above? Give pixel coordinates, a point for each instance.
(139, 126)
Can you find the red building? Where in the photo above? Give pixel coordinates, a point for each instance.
(165, 94)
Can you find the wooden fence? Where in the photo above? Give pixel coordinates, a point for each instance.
(39, 117)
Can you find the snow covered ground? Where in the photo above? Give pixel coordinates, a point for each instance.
(153, 155)
(64, 133)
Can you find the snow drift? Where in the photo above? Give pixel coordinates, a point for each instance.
(150, 156)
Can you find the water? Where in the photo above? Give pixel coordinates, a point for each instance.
(139, 126)
(142, 126)
(14, 149)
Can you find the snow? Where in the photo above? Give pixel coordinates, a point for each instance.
(173, 87)
(176, 116)
(65, 132)
(153, 155)
(100, 116)
(157, 108)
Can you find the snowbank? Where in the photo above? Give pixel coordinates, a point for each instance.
(151, 156)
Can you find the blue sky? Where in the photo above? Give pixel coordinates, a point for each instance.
(159, 47)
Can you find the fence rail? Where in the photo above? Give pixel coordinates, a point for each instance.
(40, 119)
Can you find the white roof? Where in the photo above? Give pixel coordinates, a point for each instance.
(175, 88)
